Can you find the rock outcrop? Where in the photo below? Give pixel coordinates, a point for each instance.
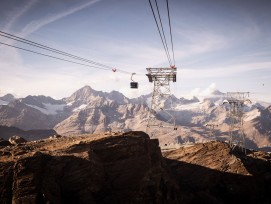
(213, 173)
(125, 168)
(130, 168)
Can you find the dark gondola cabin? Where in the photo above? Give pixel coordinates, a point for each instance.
(133, 85)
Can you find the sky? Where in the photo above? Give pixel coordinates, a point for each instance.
(224, 45)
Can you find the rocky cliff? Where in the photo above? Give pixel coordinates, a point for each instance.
(125, 168)
(214, 173)
(130, 168)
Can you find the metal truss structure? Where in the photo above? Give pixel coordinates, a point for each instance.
(211, 127)
(236, 101)
(161, 104)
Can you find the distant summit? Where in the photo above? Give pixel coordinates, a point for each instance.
(40, 101)
(217, 93)
(187, 101)
(8, 98)
(84, 95)
(4, 100)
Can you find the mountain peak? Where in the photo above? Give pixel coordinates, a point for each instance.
(217, 93)
(83, 95)
(7, 98)
(86, 87)
(189, 101)
(86, 90)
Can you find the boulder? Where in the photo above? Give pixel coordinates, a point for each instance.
(15, 140)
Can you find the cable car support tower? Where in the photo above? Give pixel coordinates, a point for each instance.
(236, 101)
(161, 103)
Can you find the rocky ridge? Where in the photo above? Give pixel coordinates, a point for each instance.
(130, 168)
(213, 173)
(125, 168)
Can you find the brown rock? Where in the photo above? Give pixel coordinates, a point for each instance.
(129, 168)
(213, 173)
(116, 169)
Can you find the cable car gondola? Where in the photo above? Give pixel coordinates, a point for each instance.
(133, 84)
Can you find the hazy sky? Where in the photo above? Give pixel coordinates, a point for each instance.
(223, 45)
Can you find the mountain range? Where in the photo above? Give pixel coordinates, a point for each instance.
(91, 111)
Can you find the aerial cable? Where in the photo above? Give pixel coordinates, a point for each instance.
(62, 59)
(173, 56)
(101, 66)
(163, 31)
(7, 35)
(159, 31)
(87, 65)
(78, 58)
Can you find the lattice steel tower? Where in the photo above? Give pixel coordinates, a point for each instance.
(161, 104)
(211, 127)
(236, 101)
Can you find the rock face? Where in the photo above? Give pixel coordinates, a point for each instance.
(96, 119)
(125, 168)
(130, 168)
(213, 173)
(96, 111)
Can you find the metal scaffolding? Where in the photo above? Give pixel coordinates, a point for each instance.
(161, 105)
(236, 101)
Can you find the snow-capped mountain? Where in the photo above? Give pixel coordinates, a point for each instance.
(95, 111)
(21, 115)
(91, 111)
(85, 111)
(46, 105)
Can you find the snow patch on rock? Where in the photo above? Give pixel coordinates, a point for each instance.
(50, 109)
(3, 103)
(79, 108)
